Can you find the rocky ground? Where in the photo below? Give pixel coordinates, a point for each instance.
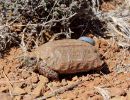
(114, 83)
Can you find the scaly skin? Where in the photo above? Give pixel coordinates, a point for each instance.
(47, 72)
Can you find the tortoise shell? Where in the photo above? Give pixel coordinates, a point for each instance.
(69, 56)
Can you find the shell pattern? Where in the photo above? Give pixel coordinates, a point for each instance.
(69, 56)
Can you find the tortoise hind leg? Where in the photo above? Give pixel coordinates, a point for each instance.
(47, 72)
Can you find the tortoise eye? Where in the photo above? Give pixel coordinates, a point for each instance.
(33, 58)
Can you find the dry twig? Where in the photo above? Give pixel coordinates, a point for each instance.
(104, 93)
(60, 90)
(9, 84)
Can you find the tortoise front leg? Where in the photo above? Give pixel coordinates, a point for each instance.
(47, 72)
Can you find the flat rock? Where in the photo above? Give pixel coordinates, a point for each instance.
(40, 86)
(18, 91)
(116, 92)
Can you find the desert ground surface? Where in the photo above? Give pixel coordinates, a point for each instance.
(112, 83)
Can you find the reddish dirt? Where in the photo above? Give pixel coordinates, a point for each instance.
(18, 83)
(22, 84)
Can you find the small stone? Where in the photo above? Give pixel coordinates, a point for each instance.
(41, 85)
(70, 82)
(75, 78)
(18, 84)
(125, 12)
(2, 89)
(43, 79)
(116, 92)
(96, 75)
(6, 70)
(55, 84)
(19, 91)
(47, 93)
(64, 82)
(1, 67)
(11, 76)
(26, 74)
(17, 98)
(85, 78)
(34, 78)
(28, 88)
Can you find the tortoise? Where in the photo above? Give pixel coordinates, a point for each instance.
(67, 56)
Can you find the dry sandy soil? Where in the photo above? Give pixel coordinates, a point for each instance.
(114, 83)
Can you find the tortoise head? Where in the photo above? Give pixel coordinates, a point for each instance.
(29, 62)
(87, 39)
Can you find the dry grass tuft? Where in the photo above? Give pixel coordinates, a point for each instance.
(43, 20)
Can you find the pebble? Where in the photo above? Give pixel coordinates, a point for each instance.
(2, 89)
(34, 78)
(28, 88)
(18, 91)
(41, 85)
(85, 78)
(125, 12)
(11, 76)
(116, 92)
(25, 74)
(6, 70)
(70, 82)
(17, 98)
(64, 82)
(75, 78)
(96, 75)
(54, 84)
(1, 67)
